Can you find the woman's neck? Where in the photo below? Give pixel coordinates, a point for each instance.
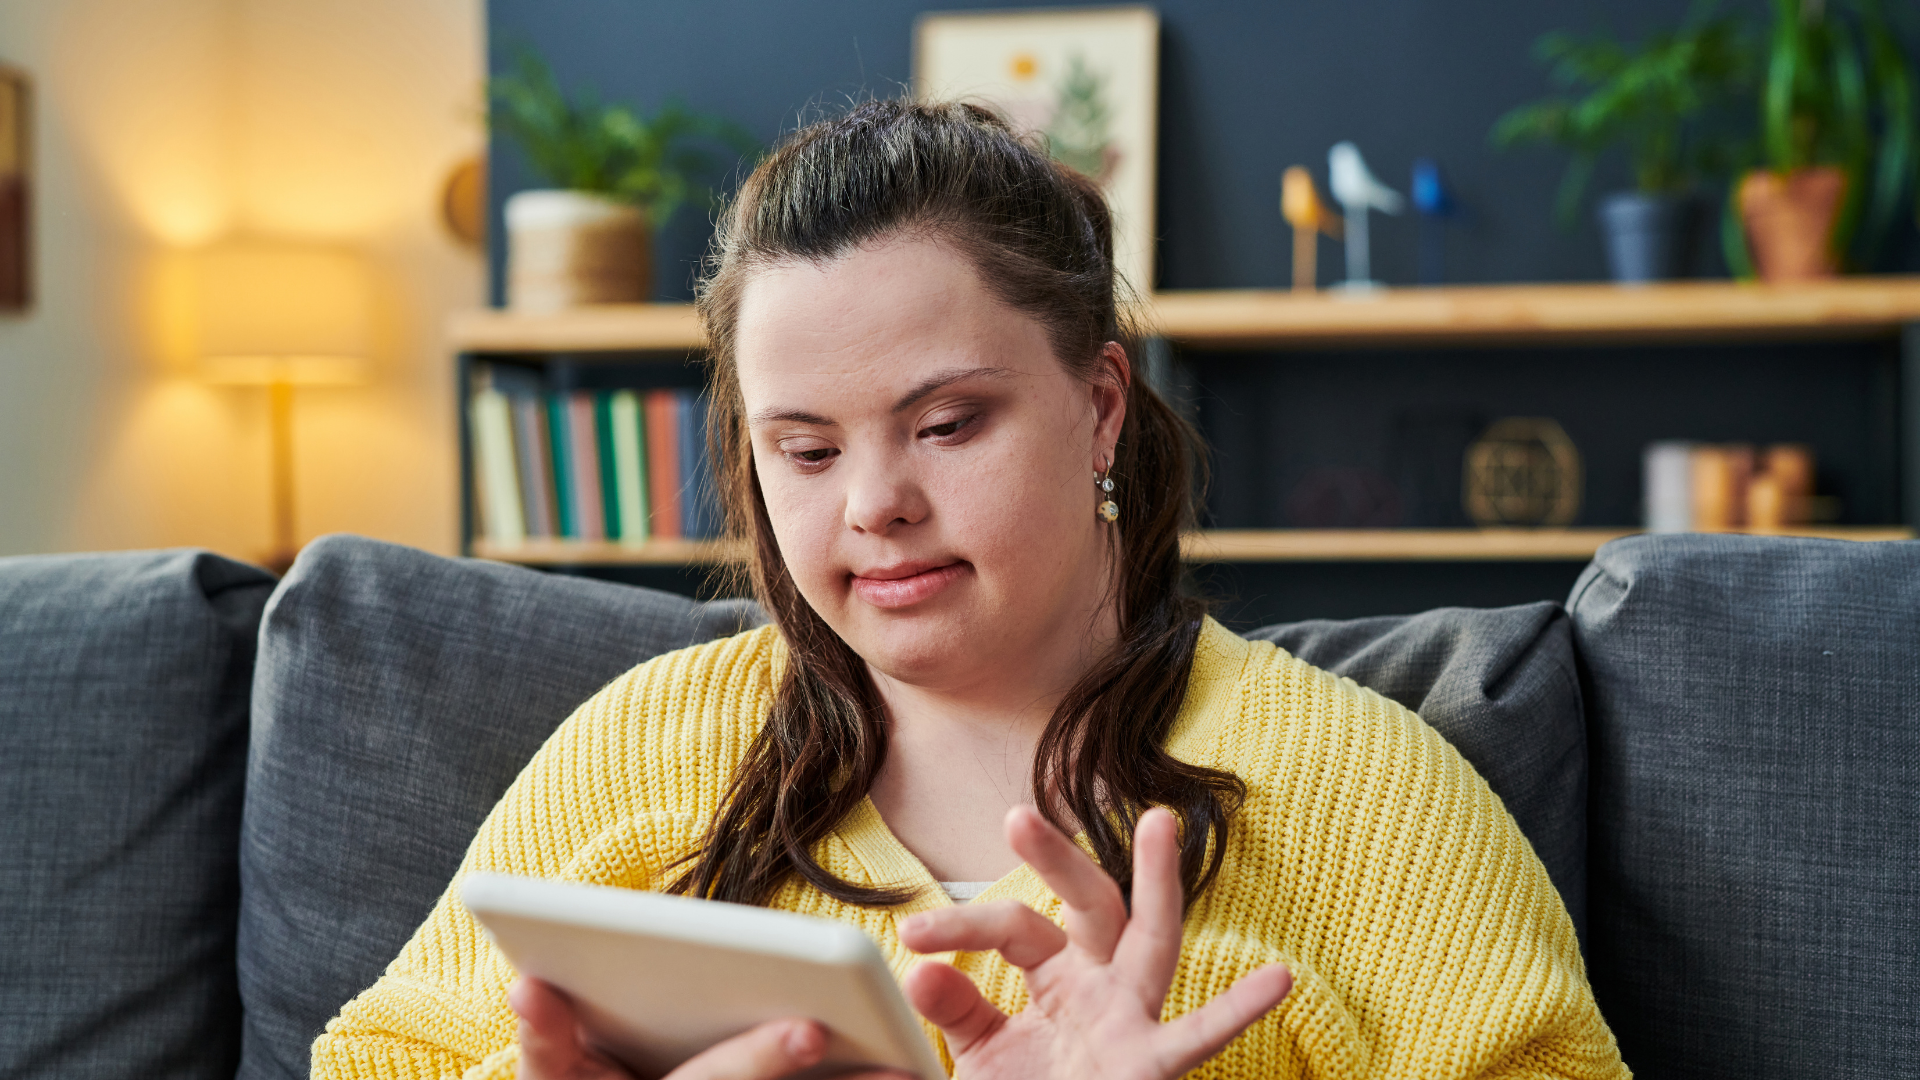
(960, 753)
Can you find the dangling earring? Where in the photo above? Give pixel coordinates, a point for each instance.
(1108, 509)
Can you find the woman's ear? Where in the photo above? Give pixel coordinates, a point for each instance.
(1112, 378)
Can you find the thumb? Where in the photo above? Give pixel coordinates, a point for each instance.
(773, 1049)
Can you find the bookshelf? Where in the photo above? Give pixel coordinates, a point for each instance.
(1863, 308)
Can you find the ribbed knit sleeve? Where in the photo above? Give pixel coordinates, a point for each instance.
(1424, 934)
(621, 790)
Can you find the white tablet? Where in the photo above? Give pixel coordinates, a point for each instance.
(657, 979)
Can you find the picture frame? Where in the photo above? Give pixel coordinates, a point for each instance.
(16, 217)
(1087, 80)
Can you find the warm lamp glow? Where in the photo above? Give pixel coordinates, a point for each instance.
(281, 314)
(280, 317)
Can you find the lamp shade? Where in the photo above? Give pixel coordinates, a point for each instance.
(281, 314)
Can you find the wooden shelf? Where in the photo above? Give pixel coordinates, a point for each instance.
(610, 553)
(1672, 311)
(596, 328)
(1221, 546)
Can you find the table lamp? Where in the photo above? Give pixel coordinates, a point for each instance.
(280, 317)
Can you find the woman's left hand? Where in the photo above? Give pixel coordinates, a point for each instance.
(1095, 988)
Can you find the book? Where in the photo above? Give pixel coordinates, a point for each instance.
(495, 475)
(663, 462)
(536, 472)
(629, 464)
(583, 461)
(557, 443)
(603, 446)
(699, 500)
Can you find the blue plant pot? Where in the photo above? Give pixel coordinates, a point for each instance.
(1650, 237)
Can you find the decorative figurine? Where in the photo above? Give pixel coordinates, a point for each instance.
(1301, 205)
(1358, 192)
(1433, 199)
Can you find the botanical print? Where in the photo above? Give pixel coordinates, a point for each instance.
(1086, 82)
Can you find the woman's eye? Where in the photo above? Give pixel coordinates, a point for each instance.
(811, 457)
(948, 428)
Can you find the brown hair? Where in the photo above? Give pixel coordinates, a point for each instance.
(1041, 238)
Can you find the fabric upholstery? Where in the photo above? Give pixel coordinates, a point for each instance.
(1501, 685)
(123, 717)
(397, 695)
(1755, 862)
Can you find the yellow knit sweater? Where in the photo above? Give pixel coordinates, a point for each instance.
(1424, 936)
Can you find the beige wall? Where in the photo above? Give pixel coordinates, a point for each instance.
(166, 127)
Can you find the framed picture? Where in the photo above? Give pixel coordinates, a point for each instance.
(15, 219)
(1088, 79)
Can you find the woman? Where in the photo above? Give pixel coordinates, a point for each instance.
(965, 512)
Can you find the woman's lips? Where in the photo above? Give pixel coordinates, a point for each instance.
(898, 587)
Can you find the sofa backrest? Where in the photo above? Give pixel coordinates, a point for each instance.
(397, 695)
(123, 739)
(1755, 818)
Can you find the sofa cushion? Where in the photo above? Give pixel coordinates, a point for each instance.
(1501, 685)
(1755, 814)
(397, 695)
(123, 713)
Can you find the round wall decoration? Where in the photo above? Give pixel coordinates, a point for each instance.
(1522, 471)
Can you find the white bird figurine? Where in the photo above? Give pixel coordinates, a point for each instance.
(1358, 191)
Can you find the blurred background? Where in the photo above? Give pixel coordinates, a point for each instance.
(257, 233)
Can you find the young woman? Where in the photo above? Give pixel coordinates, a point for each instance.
(964, 510)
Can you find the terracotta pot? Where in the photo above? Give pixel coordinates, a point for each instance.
(568, 248)
(1789, 219)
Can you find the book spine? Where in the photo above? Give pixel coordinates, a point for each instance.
(557, 443)
(499, 494)
(530, 446)
(663, 462)
(629, 465)
(609, 476)
(583, 453)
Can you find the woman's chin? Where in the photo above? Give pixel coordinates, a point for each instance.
(916, 648)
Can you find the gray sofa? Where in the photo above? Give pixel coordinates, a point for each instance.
(226, 801)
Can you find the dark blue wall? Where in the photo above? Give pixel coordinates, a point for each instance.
(1247, 89)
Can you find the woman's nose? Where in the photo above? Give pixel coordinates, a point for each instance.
(882, 497)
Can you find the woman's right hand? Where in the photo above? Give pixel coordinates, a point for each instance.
(553, 1047)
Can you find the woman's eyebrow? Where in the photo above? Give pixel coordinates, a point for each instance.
(927, 386)
(791, 416)
(945, 379)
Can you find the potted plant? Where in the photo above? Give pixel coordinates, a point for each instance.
(1663, 102)
(1838, 126)
(617, 175)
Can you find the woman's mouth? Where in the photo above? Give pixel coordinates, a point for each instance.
(905, 584)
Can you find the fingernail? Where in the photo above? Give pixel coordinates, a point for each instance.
(802, 1040)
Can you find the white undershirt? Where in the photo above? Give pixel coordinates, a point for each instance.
(961, 892)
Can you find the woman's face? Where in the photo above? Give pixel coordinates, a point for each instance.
(927, 464)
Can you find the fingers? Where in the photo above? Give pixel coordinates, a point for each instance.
(951, 1002)
(1149, 950)
(549, 1030)
(773, 1049)
(1096, 914)
(1204, 1032)
(1017, 932)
